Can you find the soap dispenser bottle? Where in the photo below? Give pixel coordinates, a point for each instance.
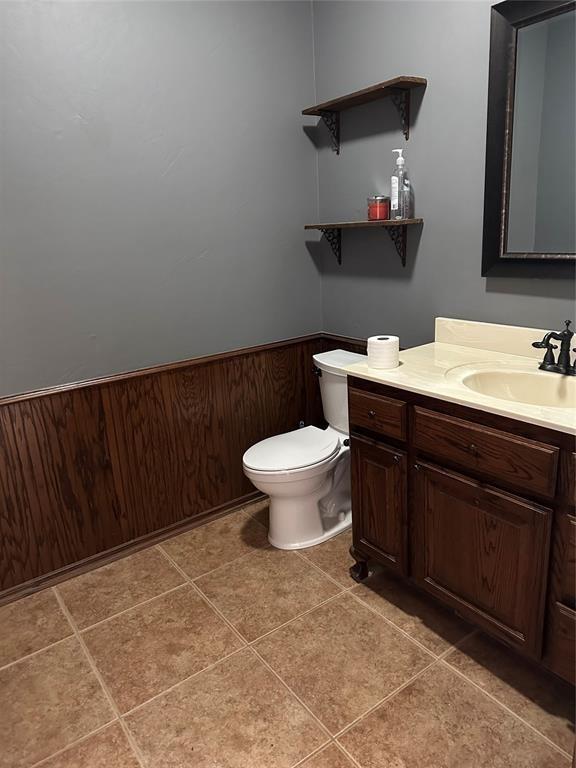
(400, 190)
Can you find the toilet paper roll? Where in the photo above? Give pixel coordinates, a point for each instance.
(383, 352)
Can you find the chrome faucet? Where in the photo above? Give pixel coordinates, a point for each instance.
(563, 364)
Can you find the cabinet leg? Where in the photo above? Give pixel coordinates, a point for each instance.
(359, 571)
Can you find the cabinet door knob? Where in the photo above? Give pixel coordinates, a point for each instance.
(416, 467)
(397, 458)
(473, 449)
(372, 414)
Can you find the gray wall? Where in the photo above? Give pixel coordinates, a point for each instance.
(155, 175)
(360, 43)
(154, 184)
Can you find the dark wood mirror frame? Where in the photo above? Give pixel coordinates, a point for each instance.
(507, 18)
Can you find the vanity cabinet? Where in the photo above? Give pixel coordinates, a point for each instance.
(475, 509)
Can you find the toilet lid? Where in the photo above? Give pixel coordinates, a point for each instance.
(292, 450)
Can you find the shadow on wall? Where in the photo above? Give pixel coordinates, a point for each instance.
(378, 118)
(367, 253)
(554, 281)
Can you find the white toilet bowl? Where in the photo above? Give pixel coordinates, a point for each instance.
(306, 473)
(304, 501)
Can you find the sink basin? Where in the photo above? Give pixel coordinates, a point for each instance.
(521, 385)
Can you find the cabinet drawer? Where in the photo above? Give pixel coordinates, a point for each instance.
(377, 413)
(515, 461)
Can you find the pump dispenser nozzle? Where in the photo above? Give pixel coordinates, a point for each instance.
(399, 160)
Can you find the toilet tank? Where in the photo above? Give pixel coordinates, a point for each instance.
(333, 385)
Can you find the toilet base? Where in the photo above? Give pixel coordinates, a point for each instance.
(281, 538)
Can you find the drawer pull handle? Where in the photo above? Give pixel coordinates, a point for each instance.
(417, 467)
(473, 449)
(397, 458)
(372, 414)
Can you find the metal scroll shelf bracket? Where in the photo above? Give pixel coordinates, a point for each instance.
(334, 238)
(401, 100)
(332, 122)
(398, 236)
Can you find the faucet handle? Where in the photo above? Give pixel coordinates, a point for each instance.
(544, 345)
(549, 359)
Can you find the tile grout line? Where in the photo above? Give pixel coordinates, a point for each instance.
(212, 570)
(252, 515)
(199, 592)
(135, 747)
(348, 754)
(324, 729)
(295, 618)
(249, 646)
(436, 660)
(35, 653)
(181, 682)
(516, 716)
(132, 607)
(386, 698)
(320, 750)
(75, 743)
(245, 646)
(390, 623)
(245, 641)
(312, 754)
(322, 571)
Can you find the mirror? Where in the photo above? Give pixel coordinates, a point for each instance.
(530, 183)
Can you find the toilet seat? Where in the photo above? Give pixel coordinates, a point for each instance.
(299, 449)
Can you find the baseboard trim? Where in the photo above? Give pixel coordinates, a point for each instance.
(124, 550)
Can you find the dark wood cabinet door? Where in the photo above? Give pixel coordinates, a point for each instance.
(484, 552)
(379, 502)
(560, 650)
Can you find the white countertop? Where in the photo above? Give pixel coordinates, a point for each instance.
(424, 370)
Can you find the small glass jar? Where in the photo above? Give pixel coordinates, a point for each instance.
(378, 208)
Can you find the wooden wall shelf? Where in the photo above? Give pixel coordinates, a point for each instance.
(396, 228)
(397, 88)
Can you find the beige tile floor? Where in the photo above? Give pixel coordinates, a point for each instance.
(213, 650)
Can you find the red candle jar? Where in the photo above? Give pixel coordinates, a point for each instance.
(378, 208)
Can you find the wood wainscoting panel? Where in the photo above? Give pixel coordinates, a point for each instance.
(143, 449)
(101, 465)
(196, 403)
(58, 498)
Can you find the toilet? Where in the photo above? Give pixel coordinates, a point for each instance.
(306, 472)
